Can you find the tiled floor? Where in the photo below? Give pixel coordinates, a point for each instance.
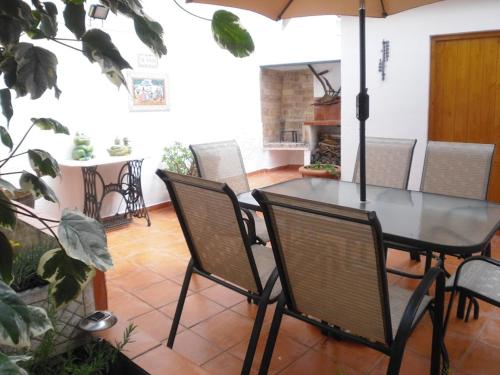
(144, 285)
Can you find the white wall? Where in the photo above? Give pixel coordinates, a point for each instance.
(399, 105)
(214, 96)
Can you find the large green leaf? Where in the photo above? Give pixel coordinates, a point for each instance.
(6, 257)
(18, 10)
(5, 138)
(98, 47)
(230, 35)
(49, 19)
(7, 216)
(30, 182)
(8, 66)
(84, 239)
(150, 33)
(67, 276)
(6, 103)
(8, 364)
(50, 124)
(74, 19)
(14, 318)
(36, 70)
(43, 163)
(10, 31)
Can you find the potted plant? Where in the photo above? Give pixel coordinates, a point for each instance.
(321, 170)
(179, 159)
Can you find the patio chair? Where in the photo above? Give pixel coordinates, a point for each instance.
(388, 162)
(222, 162)
(331, 263)
(477, 277)
(220, 249)
(455, 169)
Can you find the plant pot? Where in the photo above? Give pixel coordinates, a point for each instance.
(306, 171)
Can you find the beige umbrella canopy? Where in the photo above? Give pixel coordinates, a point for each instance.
(283, 9)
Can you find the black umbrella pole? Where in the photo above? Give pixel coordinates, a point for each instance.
(362, 101)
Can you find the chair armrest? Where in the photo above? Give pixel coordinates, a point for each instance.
(434, 275)
(250, 223)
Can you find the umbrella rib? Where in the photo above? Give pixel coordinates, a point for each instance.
(384, 13)
(284, 10)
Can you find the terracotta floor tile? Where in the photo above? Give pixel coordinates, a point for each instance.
(195, 348)
(471, 329)
(300, 331)
(317, 363)
(223, 296)
(413, 364)
(125, 306)
(285, 352)
(225, 364)
(250, 310)
(139, 279)
(196, 284)
(481, 359)
(162, 361)
(197, 308)
(350, 354)
(225, 329)
(155, 324)
(491, 333)
(159, 294)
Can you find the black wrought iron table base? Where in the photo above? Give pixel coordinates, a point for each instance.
(128, 185)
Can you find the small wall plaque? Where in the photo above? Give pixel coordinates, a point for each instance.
(145, 60)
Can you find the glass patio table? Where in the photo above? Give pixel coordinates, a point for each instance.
(442, 223)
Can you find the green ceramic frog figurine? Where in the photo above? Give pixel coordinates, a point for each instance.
(83, 150)
(119, 149)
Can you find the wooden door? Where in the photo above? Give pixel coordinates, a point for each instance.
(464, 103)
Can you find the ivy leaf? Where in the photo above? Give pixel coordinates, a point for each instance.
(43, 163)
(66, 275)
(8, 365)
(50, 124)
(7, 216)
(10, 31)
(30, 182)
(230, 35)
(48, 24)
(6, 103)
(14, 318)
(150, 33)
(8, 66)
(84, 239)
(6, 258)
(74, 18)
(5, 137)
(98, 47)
(36, 70)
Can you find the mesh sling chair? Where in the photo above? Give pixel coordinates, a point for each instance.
(222, 162)
(477, 277)
(459, 170)
(331, 263)
(220, 249)
(388, 162)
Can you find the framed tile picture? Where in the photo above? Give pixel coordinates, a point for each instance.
(148, 92)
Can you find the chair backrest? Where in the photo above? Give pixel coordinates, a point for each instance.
(221, 162)
(212, 224)
(331, 263)
(457, 169)
(388, 162)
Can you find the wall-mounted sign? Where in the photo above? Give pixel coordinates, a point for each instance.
(145, 60)
(148, 91)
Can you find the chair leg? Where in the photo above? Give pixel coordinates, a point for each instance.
(273, 334)
(487, 250)
(254, 338)
(469, 308)
(180, 304)
(415, 256)
(461, 305)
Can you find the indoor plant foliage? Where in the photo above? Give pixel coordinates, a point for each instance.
(179, 159)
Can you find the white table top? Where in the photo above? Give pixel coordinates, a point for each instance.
(100, 161)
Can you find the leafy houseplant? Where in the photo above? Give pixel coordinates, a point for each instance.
(179, 159)
(320, 170)
(28, 69)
